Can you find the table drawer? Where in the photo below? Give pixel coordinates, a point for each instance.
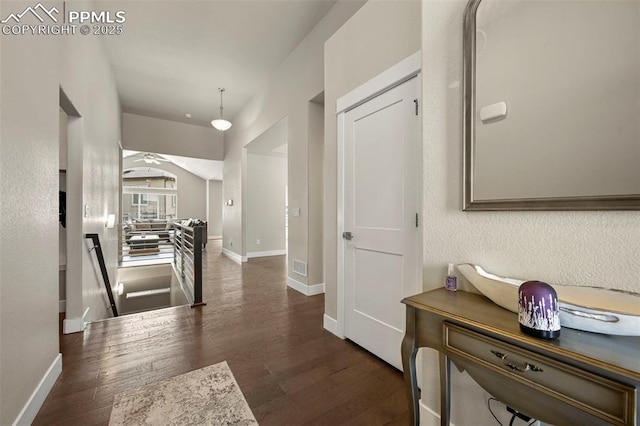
(598, 396)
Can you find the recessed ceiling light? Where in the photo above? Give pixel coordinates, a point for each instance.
(187, 115)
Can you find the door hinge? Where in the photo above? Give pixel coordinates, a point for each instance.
(416, 220)
(415, 101)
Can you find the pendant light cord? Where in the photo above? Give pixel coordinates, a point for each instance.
(221, 89)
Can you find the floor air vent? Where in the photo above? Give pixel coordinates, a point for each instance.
(300, 267)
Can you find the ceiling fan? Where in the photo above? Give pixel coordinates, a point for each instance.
(151, 159)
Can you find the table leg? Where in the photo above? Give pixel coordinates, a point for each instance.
(445, 390)
(409, 351)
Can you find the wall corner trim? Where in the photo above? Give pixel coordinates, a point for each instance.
(307, 290)
(33, 405)
(234, 256)
(331, 325)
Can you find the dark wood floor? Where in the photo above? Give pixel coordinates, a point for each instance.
(291, 370)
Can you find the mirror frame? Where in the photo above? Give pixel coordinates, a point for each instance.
(603, 202)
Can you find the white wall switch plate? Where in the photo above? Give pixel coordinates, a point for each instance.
(493, 111)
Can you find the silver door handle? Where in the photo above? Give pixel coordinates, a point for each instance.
(347, 235)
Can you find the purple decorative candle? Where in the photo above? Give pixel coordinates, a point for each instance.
(538, 312)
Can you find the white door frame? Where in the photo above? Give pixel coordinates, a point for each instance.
(394, 76)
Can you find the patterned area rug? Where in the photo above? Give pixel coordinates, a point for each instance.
(209, 396)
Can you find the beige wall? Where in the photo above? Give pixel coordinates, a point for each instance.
(192, 192)
(29, 196)
(214, 225)
(297, 80)
(92, 172)
(378, 36)
(266, 184)
(315, 270)
(33, 70)
(149, 134)
(576, 248)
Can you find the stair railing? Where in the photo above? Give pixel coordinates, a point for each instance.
(187, 260)
(103, 268)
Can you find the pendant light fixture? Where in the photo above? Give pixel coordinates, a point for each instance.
(220, 123)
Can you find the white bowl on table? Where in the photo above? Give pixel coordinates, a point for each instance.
(593, 309)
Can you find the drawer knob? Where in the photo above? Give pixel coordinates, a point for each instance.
(515, 367)
(498, 354)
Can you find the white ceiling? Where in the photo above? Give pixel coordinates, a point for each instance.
(173, 55)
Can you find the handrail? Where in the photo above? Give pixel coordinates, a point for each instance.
(187, 259)
(103, 268)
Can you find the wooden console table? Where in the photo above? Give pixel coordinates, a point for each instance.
(580, 378)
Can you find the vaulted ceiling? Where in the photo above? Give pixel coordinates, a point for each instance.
(173, 55)
(204, 169)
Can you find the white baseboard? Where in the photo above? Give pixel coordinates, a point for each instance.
(214, 237)
(267, 253)
(33, 405)
(307, 290)
(316, 289)
(331, 325)
(233, 255)
(76, 325)
(428, 417)
(62, 306)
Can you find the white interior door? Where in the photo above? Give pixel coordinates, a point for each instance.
(381, 183)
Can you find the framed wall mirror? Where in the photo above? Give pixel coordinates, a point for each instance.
(552, 105)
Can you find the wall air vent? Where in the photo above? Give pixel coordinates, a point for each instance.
(300, 267)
